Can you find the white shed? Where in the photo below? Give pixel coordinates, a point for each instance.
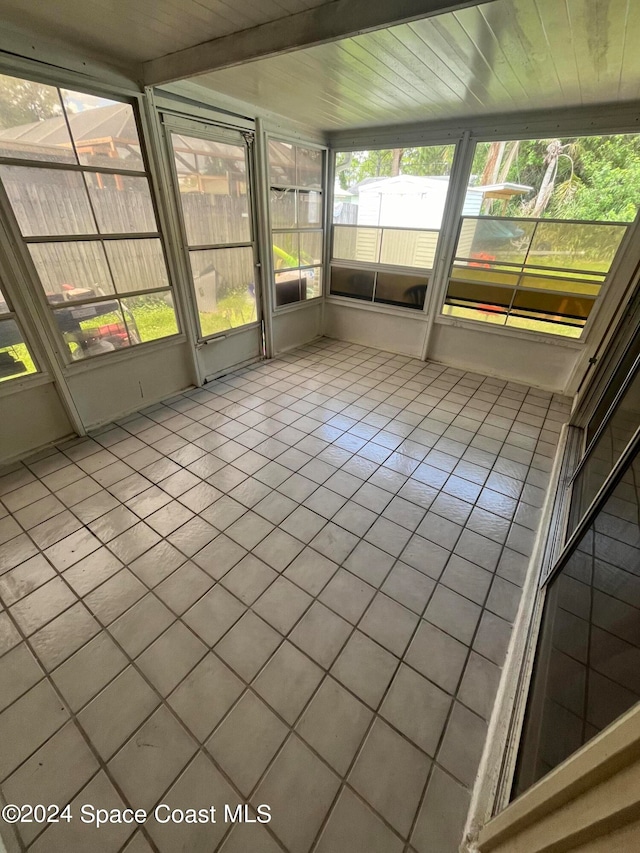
(409, 201)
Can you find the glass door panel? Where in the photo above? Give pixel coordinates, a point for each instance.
(212, 171)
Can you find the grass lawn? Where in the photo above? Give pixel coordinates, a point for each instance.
(19, 353)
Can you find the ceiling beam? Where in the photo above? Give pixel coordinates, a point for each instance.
(330, 22)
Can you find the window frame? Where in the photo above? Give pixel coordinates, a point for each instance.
(211, 129)
(68, 81)
(12, 314)
(632, 232)
(432, 274)
(326, 154)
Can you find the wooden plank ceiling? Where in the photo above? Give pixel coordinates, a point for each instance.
(499, 57)
(135, 31)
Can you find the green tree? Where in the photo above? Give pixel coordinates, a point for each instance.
(23, 102)
(592, 178)
(353, 167)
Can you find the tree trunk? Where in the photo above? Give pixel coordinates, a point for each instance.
(491, 170)
(508, 163)
(554, 149)
(396, 161)
(492, 166)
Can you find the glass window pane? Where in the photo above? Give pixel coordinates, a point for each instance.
(408, 291)
(403, 247)
(289, 287)
(571, 245)
(48, 201)
(150, 317)
(32, 125)
(308, 167)
(15, 358)
(224, 283)
(587, 670)
(122, 203)
(286, 250)
(94, 329)
(213, 184)
(136, 264)
(551, 204)
(395, 188)
(541, 323)
(621, 371)
(485, 313)
(310, 248)
(283, 208)
(5, 308)
(298, 254)
(613, 439)
(485, 297)
(357, 284)
(489, 240)
(72, 271)
(104, 131)
(565, 285)
(356, 244)
(311, 282)
(544, 302)
(282, 164)
(483, 274)
(576, 178)
(309, 209)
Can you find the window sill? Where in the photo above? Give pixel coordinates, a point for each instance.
(506, 331)
(296, 306)
(24, 383)
(126, 354)
(588, 793)
(229, 333)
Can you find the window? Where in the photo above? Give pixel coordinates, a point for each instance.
(213, 182)
(388, 208)
(541, 225)
(607, 447)
(587, 665)
(296, 208)
(588, 660)
(15, 358)
(72, 168)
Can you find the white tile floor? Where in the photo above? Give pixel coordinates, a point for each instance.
(293, 587)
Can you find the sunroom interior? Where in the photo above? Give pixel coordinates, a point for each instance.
(319, 422)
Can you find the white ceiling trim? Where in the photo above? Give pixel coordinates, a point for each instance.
(578, 121)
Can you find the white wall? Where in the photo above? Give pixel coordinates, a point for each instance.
(31, 416)
(297, 326)
(401, 333)
(541, 362)
(112, 387)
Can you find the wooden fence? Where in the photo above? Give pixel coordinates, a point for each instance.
(55, 203)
